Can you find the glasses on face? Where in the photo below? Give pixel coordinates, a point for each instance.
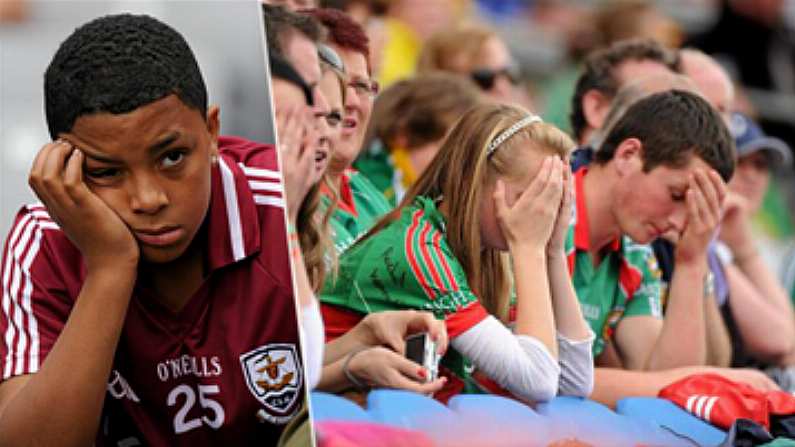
(364, 87)
(329, 56)
(485, 78)
(333, 119)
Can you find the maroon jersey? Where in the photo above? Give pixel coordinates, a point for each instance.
(226, 368)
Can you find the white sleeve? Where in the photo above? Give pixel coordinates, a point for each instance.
(576, 365)
(518, 363)
(312, 340)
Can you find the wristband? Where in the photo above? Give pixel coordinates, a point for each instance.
(724, 253)
(349, 375)
(709, 284)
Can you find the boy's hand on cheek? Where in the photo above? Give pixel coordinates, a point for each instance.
(704, 202)
(99, 233)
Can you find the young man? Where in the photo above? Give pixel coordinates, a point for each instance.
(654, 172)
(148, 299)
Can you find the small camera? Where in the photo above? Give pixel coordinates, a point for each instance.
(422, 350)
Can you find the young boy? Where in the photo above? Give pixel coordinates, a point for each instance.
(155, 269)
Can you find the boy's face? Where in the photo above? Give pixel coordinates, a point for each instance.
(648, 204)
(152, 166)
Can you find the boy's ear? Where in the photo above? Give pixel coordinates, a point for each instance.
(213, 127)
(628, 156)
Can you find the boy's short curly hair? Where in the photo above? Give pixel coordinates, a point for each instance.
(116, 64)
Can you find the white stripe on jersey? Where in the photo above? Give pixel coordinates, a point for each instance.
(265, 186)
(18, 289)
(269, 200)
(232, 211)
(33, 325)
(21, 226)
(259, 172)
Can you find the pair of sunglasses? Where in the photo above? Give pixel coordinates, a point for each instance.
(485, 78)
(329, 56)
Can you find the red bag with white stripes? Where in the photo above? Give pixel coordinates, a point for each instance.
(721, 401)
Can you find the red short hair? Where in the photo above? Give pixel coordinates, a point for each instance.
(343, 31)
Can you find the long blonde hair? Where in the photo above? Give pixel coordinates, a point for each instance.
(458, 175)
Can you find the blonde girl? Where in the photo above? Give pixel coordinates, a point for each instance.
(499, 185)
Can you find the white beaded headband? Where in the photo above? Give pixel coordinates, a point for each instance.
(509, 132)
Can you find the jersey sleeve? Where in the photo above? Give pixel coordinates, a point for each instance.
(646, 299)
(35, 293)
(440, 281)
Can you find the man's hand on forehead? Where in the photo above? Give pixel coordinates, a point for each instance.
(704, 201)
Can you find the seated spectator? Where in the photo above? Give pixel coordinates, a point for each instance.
(499, 184)
(409, 122)
(476, 52)
(152, 269)
(358, 203)
(655, 172)
(758, 311)
(377, 342)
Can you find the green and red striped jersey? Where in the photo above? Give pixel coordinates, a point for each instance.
(626, 282)
(407, 265)
(359, 207)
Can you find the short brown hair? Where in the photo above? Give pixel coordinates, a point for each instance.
(673, 126)
(598, 72)
(280, 21)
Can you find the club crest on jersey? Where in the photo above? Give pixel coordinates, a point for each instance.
(273, 375)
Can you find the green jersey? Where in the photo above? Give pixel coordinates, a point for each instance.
(390, 171)
(359, 207)
(410, 265)
(626, 283)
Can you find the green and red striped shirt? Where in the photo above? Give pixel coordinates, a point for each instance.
(407, 265)
(626, 283)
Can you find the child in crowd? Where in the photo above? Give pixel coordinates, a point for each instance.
(499, 184)
(148, 299)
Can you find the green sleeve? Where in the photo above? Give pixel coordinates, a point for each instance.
(646, 300)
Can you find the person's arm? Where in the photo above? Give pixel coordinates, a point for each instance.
(719, 347)
(382, 367)
(574, 337)
(527, 227)
(61, 403)
(647, 343)
(768, 341)
(612, 385)
(523, 362)
(755, 293)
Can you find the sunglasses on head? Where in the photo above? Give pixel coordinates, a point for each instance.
(329, 56)
(486, 77)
